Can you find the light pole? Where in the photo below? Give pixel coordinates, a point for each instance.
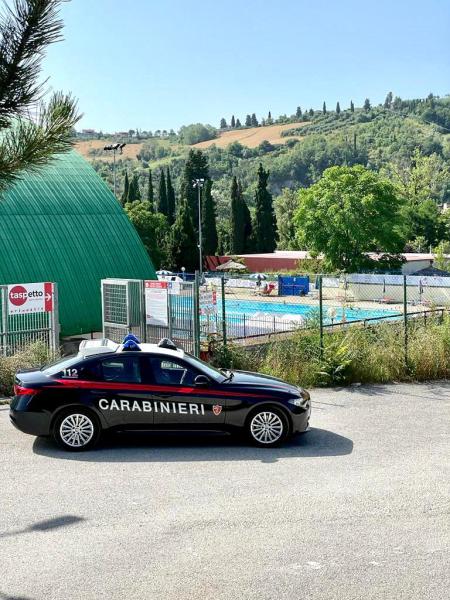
(114, 148)
(199, 183)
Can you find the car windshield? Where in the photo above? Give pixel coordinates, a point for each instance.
(59, 365)
(206, 368)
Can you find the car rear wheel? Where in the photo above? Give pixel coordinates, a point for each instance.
(76, 430)
(268, 427)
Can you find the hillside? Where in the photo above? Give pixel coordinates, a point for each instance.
(253, 136)
(91, 149)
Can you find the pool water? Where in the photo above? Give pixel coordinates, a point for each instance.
(352, 313)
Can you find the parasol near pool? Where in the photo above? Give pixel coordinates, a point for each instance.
(231, 265)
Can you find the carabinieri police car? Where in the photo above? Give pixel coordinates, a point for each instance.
(136, 386)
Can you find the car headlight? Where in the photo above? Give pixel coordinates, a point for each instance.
(301, 402)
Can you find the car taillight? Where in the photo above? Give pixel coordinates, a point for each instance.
(20, 390)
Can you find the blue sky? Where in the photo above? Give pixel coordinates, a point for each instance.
(159, 65)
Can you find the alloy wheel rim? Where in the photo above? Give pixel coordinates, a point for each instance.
(76, 430)
(266, 427)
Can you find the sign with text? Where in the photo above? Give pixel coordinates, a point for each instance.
(156, 303)
(26, 298)
(208, 302)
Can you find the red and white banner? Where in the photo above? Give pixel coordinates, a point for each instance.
(156, 303)
(26, 298)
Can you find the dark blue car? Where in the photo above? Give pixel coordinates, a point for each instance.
(135, 386)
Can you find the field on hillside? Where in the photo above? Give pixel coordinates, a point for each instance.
(253, 136)
(130, 151)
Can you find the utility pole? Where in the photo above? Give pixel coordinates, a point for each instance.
(199, 183)
(114, 148)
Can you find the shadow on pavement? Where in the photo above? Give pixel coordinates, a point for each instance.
(187, 447)
(46, 525)
(8, 597)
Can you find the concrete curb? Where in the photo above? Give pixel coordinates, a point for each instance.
(4, 400)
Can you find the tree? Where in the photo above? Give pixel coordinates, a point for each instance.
(254, 121)
(150, 194)
(161, 206)
(27, 28)
(238, 123)
(195, 133)
(352, 106)
(233, 122)
(183, 247)
(196, 167)
(367, 105)
(134, 192)
(388, 101)
(324, 108)
(269, 119)
(338, 109)
(237, 236)
(264, 223)
(223, 123)
(311, 112)
(298, 112)
(126, 189)
(285, 206)
(348, 212)
(248, 121)
(247, 220)
(153, 230)
(209, 227)
(171, 201)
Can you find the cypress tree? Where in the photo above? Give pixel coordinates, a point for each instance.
(233, 121)
(223, 124)
(298, 112)
(324, 108)
(162, 196)
(126, 188)
(134, 192)
(237, 239)
(248, 121)
(352, 106)
(150, 194)
(264, 226)
(183, 244)
(311, 112)
(238, 123)
(388, 101)
(196, 167)
(254, 120)
(209, 226)
(171, 202)
(338, 108)
(367, 106)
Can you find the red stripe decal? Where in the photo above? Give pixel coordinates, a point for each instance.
(140, 387)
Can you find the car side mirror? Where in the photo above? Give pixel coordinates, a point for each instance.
(201, 380)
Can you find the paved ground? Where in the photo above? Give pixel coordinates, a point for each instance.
(356, 509)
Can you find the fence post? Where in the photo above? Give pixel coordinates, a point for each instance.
(224, 314)
(4, 301)
(320, 316)
(169, 311)
(405, 319)
(196, 315)
(54, 321)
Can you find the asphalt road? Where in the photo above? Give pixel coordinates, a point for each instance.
(358, 508)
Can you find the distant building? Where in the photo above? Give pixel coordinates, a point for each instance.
(286, 260)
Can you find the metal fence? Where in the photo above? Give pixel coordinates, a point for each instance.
(124, 310)
(18, 331)
(248, 310)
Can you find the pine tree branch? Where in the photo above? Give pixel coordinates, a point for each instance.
(28, 145)
(26, 29)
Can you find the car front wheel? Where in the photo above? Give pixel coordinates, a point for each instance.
(268, 427)
(76, 430)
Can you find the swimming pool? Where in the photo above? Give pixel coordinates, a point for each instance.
(352, 313)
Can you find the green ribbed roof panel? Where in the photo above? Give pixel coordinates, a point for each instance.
(64, 225)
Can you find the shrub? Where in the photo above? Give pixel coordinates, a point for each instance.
(35, 355)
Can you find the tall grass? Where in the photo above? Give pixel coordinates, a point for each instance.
(357, 355)
(35, 355)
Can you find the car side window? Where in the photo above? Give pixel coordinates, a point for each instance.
(167, 371)
(122, 369)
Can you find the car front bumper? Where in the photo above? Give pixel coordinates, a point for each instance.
(34, 423)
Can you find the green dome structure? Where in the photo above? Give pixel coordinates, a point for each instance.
(64, 225)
